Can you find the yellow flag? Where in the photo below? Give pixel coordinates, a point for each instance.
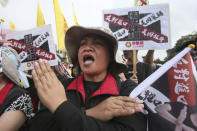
(75, 18)
(65, 26)
(61, 25)
(40, 17)
(12, 26)
(141, 2)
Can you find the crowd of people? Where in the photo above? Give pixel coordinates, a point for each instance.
(95, 98)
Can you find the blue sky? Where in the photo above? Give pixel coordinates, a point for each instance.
(23, 13)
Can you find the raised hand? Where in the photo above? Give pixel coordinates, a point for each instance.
(50, 90)
(122, 77)
(134, 78)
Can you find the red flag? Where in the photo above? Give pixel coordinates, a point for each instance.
(181, 81)
(172, 98)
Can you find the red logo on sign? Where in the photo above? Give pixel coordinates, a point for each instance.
(28, 64)
(128, 44)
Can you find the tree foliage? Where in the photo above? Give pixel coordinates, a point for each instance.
(180, 44)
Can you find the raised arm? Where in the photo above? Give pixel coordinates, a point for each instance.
(149, 59)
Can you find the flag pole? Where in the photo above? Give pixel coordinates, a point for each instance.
(134, 51)
(134, 63)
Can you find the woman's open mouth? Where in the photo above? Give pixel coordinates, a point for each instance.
(88, 59)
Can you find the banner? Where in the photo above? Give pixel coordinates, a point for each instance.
(142, 27)
(182, 82)
(33, 45)
(170, 95)
(178, 84)
(171, 100)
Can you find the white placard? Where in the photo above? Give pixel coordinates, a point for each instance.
(33, 45)
(141, 27)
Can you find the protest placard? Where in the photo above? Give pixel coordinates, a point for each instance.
(142, 27)
(33, 45)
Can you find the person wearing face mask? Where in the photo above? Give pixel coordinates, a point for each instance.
(16, 104)
(95, 99)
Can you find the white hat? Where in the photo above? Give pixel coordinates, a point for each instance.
(9, 65)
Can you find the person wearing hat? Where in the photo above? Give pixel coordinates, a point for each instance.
(16, 105)
(95, 100)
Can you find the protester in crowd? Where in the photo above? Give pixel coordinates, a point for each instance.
(74, 71)
(149, 59)
(61, 71)
(123, 78)
(143, 69)
(16, 105)
(95, 100)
